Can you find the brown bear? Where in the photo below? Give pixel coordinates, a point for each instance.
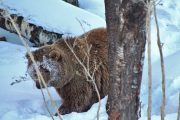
(61, 67)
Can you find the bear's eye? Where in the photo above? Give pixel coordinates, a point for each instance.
(46, 71)
(35, 75)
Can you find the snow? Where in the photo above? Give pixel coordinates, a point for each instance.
(11, 37)
(168, 18)
(20, 100)
(93, 6)
(169, 23)
(156, 117)
(57, 16)
(48, 64)
(172, 69)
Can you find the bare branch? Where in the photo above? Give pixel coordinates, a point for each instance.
(162, 67)
(46, 104)
(87, 72)
(178, 117)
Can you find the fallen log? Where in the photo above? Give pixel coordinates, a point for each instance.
(34, 33)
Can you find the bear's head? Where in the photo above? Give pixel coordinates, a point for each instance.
(53, 64)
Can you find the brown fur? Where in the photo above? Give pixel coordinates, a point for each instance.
(68, 76)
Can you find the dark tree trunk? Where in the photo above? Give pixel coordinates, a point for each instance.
(73, 2)
(34, 33)
(127, 37)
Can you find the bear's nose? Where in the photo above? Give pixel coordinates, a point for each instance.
(38, 85)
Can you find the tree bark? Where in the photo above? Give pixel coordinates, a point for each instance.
(34, 33)
(126, 39)
(73, 2)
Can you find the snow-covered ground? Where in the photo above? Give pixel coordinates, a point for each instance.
(22, 101)
(157, 117)
(93, 6)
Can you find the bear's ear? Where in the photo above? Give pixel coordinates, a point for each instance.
(55, 55)
(27, 56)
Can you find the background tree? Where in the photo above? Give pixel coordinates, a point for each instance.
(126, 26)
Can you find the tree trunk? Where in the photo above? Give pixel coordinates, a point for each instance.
(35, 34)
(73, 2)
(126, 38)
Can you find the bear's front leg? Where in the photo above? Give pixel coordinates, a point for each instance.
(77, 96)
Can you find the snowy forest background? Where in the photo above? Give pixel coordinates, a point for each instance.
(19, 98)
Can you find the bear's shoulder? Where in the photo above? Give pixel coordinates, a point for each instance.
(94, 37)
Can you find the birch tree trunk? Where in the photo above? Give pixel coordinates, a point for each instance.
(34, 33)
(127, 37)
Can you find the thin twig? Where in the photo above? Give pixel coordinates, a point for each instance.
(162, 67)
(46, 104)
(81, 25)
(87, 73)
(148, 29)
